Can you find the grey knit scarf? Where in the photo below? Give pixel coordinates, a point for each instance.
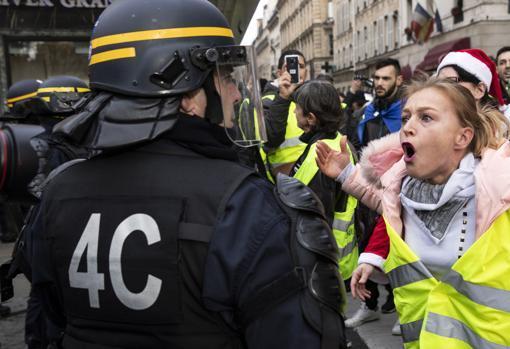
(436, 205)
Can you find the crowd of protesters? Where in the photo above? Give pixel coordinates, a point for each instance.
(407, 178)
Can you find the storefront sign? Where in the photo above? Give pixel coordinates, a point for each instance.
(57, 3)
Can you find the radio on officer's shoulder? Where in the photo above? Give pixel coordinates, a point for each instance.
(292, 64)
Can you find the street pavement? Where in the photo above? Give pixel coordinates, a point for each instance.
(375, 335)
(12, 328)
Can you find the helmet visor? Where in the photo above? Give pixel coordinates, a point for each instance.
(239, 90)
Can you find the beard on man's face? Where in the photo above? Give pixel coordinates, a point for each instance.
(382, 93)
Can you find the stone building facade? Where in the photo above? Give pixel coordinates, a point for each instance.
(267, 43)
(359, 32)
(483, 24)
(366, 30)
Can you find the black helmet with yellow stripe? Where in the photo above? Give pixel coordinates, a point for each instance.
(155, 48)
(58, 94)
(20, 97)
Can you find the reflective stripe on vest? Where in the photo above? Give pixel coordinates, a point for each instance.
(263, 154)
(245, 105)
(468, 308)
(291, 148)
(345, 236)
(343, 222)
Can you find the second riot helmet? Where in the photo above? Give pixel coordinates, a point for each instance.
(58, 94)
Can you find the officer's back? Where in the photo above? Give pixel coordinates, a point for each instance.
(162, 239)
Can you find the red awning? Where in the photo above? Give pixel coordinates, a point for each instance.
(436, 53)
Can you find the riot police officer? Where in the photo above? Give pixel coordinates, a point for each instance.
(20, 96)
(162, 239)
(34, 108)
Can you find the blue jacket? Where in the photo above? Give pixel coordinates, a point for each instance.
(391, 116)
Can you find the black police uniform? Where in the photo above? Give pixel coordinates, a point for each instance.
(210, 231)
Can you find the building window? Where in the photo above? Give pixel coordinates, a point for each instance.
(346, 17)
(331, 49)
(339, 22)
(458, 11)
(360, 42)
(380, 31)
(409, 15)
(372, 40)
(350, 53)
(396, 29)
(389, 33)
(365, 40)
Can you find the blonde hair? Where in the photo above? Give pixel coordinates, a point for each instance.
(490, 127)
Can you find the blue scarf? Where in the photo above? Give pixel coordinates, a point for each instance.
(391, 116)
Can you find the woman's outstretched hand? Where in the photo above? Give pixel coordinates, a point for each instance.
(359, 280)
(332, 162)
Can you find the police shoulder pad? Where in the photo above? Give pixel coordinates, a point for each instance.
(297, 195)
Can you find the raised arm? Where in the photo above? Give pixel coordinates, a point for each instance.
(336, 165)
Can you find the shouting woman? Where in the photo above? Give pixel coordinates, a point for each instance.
(443, 187)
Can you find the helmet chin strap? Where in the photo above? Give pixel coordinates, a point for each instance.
(214, 110)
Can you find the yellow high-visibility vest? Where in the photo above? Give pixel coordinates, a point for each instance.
(343, 222)
(468, 308)
(291, 148)
(263, 154)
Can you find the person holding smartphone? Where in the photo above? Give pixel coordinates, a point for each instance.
(283, 147)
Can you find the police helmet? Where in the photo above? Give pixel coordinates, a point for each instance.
(145, 47)
(159, 48)
(58, 94)
(20, 97)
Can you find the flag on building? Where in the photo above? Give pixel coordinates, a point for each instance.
(422, 24)
(439, 23)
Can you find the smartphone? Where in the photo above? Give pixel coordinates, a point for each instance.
(292, 63)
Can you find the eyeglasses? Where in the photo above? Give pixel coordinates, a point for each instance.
(454, 79)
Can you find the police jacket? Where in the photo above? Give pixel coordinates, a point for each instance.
(163, 245)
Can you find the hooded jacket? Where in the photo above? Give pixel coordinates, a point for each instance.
(377, 181)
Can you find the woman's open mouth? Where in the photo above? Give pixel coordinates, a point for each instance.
(409, 151)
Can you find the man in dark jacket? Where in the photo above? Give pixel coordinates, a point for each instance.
(383, 114)
(503, 64)
(162, 239)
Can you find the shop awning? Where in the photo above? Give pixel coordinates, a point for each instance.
(436, 53)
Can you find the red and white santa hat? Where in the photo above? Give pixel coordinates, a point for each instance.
(477, 63)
